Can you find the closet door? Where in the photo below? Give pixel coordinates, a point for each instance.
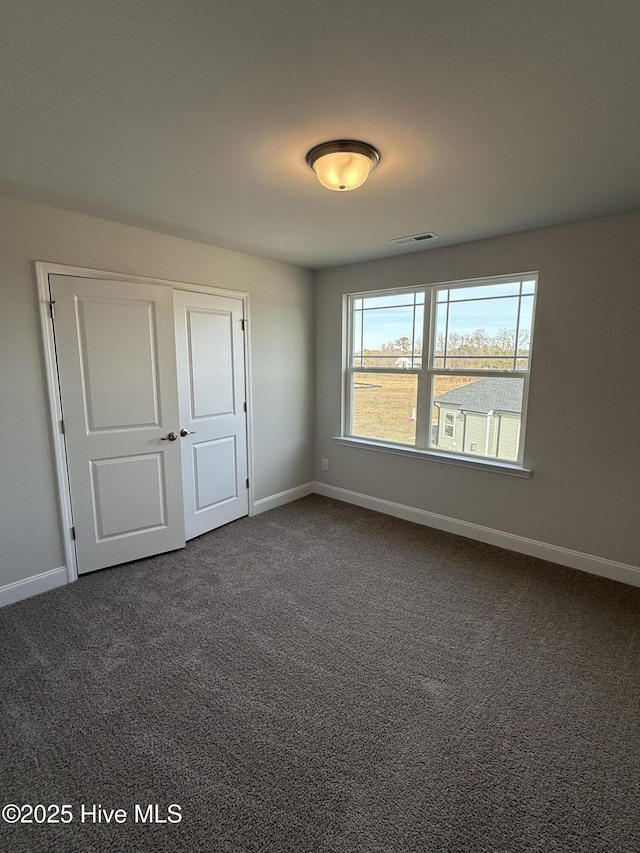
(211, 370)
(115, 344)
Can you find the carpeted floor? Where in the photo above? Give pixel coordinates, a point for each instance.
(324, 678)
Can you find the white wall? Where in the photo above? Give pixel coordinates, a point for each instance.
(281, 305)
(585, 491)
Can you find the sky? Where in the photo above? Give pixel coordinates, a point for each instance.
(389, 324)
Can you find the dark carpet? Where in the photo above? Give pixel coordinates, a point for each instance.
(324, 678)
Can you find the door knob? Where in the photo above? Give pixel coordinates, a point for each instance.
(184, 432)
(170, 437)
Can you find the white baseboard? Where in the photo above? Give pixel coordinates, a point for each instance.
(282, 498)
(622, 572)
(18, 590)
(553, 553)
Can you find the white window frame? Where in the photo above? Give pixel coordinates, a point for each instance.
(449, 425)
(426, 377)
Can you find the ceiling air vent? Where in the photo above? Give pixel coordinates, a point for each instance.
(413, 238)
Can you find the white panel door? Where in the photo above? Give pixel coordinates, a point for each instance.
(118, 383)
(210, 353)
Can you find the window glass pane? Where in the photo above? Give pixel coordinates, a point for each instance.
(441, 385)
(398, 361)
(484, 291)
(488, 316)
(386, 360)
(442, 296)
(389, 332)
(482, 328)
(390, 301)
(418, 326)
(528, 287)
(357, 304)
(485, 412)
(384, 406)
(356, 351)
(482, 362)
(526, 319)
(440, 328)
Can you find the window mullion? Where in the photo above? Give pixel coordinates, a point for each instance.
(517, 333)
(523, 419)
(349, 365)
(445, 345)
(413, 331)
(423, 417)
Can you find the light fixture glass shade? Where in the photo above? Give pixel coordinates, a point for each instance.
(344, 164)
(342, 171)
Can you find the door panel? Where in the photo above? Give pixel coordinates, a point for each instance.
(142, 479)
(115, 396)
(219, 456)
(118, 384)
(210, 354)
(210, 339)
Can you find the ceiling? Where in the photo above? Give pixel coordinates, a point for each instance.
(193, 117)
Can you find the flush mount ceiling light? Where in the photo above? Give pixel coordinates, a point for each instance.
(343, 164)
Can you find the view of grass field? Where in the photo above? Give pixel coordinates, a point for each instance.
(385, 404)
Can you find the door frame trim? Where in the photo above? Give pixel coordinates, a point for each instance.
(43, 270)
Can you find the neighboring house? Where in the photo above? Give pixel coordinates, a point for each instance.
(482, 417)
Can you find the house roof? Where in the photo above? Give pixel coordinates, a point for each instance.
(485, 395)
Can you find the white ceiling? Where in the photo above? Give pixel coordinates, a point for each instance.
(193, 117)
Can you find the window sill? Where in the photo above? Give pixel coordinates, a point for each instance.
(434, 456)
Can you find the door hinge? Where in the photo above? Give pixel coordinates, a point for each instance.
(62, 428)
(245, 407)
(247, 482)
(52, 309)
(244, 324)
(73, 533)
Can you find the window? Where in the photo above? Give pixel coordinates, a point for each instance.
(442, 369)
(449, 428)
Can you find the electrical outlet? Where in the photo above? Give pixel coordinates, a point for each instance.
(325, 464)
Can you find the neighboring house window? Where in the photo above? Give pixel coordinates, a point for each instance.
(449, 428)
(465, 345)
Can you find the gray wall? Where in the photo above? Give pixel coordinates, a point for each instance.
(281, 305)
(585, 490)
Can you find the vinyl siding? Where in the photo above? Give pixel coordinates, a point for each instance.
(508, 436)
(475, 433)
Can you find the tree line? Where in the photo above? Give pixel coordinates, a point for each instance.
(477, 346)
